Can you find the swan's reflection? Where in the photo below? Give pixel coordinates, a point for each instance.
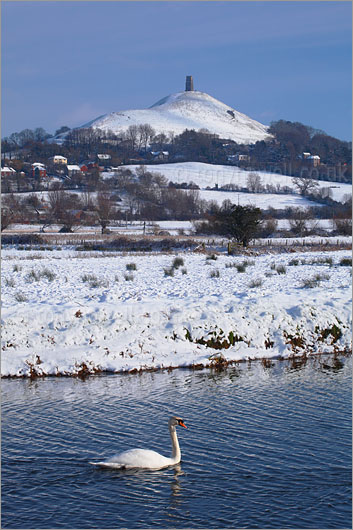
(175, 485)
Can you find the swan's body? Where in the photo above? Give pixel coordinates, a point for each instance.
(144, 458)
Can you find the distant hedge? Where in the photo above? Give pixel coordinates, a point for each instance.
(127, 244)
(21, 239)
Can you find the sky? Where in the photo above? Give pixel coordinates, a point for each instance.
(66, 63)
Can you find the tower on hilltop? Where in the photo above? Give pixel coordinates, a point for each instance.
(189, 85)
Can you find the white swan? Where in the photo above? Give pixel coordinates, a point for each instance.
(144, 458)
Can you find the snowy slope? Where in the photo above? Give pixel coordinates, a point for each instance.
(209, 175)
(187, 110)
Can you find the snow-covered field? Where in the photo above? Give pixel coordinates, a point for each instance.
(66, 312)
(211, 175)
(260, 200)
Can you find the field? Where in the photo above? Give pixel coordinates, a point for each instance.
(71, 312)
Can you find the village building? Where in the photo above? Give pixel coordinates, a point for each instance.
(314, 159)
(8, 171)
(38, 170)
(58, 159)
(160, 155)
(73, 169)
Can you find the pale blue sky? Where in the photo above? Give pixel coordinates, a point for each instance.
(65, 63)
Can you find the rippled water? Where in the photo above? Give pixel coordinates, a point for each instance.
(265, 448)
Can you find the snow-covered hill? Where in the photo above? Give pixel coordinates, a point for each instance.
(187, 110)
(205, 175)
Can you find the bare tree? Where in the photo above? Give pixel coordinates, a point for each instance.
(12, 211)
(305, 185)
(104, 207)
(146, 133)
(87, 200)
(7, 217)
(63, 209)
(132, 135)
(302, 222)
(254, 183)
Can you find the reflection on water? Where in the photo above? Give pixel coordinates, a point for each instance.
(266, 447)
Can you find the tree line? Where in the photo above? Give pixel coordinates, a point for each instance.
(290, 140)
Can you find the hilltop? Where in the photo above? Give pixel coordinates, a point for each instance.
(187, 110)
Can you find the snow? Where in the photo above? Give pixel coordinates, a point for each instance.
(187, 110)
(209, 175)
(260, 200)
(68, 322)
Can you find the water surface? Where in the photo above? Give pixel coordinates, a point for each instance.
(265, 448)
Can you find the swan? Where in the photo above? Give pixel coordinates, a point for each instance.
(145, 458)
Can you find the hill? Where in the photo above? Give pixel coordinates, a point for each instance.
(187, 110)
(211, 175)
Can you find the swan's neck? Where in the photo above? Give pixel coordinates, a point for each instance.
(176, 454)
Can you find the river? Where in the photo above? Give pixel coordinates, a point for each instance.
(266, 447)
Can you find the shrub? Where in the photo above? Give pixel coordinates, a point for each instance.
(346, 262)
(214, 274)
(241, 267)
(178, 262)
(322, 261)
(89, 278)
(256, 283)
(320, 277)
(98, 283)
(46, 273)
(131, 266)
(20, 297)
(328, 260)
(32, 276)
(314, 281)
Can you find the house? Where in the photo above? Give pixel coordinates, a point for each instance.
(243, 158)
(73, 170)
(160, 155)
(38, 170)
(103, 159)
(58, 159)
(87, 165)
(8, 171)
(238, 158)
(314, 159)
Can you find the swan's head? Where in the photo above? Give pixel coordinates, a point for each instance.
(175, 420)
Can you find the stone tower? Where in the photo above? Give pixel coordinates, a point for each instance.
(189, 85)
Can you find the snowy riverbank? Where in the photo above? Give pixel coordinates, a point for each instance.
(65, 312)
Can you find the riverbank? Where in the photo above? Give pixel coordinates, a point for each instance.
(66, 313)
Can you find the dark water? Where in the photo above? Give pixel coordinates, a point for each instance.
(265, 448)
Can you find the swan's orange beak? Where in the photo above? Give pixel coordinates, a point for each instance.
(182, 424)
